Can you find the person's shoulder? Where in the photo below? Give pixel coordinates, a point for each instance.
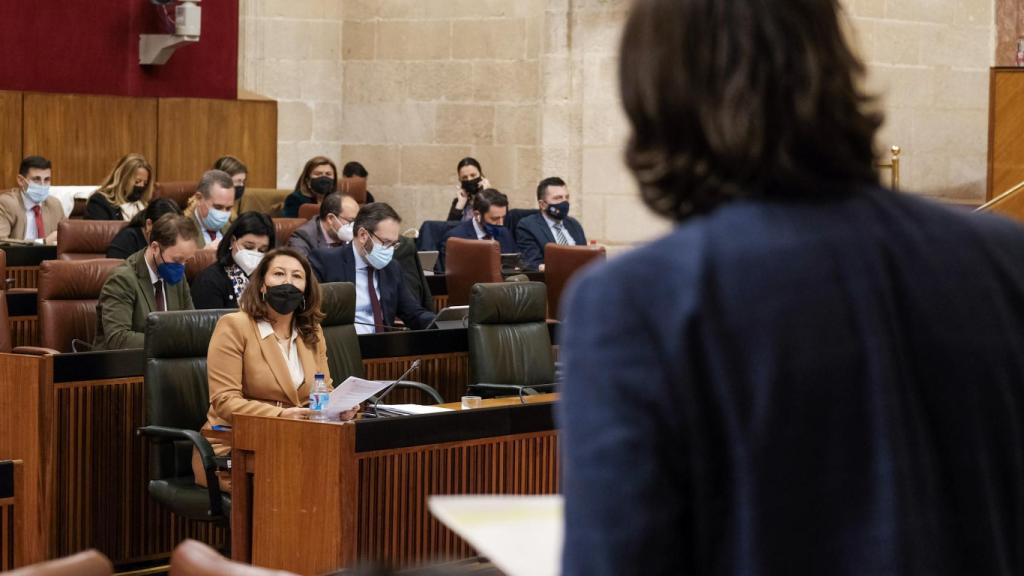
(950, 220)
(531, 221)
(9, 197)
(212, 274)
(462, 230)
(238, 321)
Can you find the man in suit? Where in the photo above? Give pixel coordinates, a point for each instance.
(381, 294)
(151, 280)
(332, 228)
(809, 374)
(28, 212)
(488, 223)
(552, 225)
(211, 207)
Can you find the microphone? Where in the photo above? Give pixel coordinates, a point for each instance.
(385, 326)
(393, 385)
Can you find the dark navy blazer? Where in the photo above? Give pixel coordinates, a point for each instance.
(468, 231)
(797, 387)
(339, 265)
(533, 233)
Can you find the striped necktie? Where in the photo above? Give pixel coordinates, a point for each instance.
(560, 235)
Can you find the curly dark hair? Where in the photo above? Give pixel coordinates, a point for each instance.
(743, 98)
(307, 319)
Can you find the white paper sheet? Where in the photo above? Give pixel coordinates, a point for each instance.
(413, 408)
(521, 535)
(352, 392)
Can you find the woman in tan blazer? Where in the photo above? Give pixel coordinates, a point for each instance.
(262, 359)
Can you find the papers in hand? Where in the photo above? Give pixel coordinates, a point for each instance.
(521, 535)
(352, 392)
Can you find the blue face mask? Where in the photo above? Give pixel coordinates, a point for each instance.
(493, 229)
(216, 219)
(559, 211)
(379, 257)
(171, 272)
(37, 193)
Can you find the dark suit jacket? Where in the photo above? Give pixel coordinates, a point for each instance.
(308, 237)
(292, 203)
(339, 265)
(99, 208)
(800, 387)
(127, 242)
(415, 281)
(126, 300)
(213, 290)
(468, 231)
(533, 233)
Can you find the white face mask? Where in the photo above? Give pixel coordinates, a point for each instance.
(345, 232)
(248, 260)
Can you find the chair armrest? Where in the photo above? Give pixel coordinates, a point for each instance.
(206, 455)
(34, 351)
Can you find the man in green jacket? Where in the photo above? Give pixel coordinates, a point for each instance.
(151, 280)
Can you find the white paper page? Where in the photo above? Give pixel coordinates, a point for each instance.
(521, 535)
(352, 392)
(414, 408)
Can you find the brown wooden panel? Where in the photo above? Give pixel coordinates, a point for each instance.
(10, 137)
(24, 276)
(24, 330)
(12, 523)
(195, 132)
(447, 373)
(1006, 130)
(85, 136)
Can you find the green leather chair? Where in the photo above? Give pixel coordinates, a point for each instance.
(344, 357)
(177, 399)
(509, 342)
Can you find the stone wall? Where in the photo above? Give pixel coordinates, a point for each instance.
(409, 87)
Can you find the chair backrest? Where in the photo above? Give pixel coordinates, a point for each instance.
(509, 342)
(307, 211)
(354, 186)
(180, 192)
(344, 358)
(86, 239)
(88, 563)
(469, 262)
(201, 261)
(560, 264)
(192, 558)
(176, 391)
(283, 228)
(514, 215)
(68, 293)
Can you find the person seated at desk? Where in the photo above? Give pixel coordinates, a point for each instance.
(237, 170)
(222, 283)
(332, 228)
(151, 280)
(319, 178)
(263, 358)
(124, 193)
(135, 236)
(488, 223)
(210, 209)
(552, 225)
(355, 174)
(28, 213)
(381, 294)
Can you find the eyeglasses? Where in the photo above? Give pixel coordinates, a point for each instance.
(383, 243)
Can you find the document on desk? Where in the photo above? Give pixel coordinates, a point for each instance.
(521, 535)
(352, 392)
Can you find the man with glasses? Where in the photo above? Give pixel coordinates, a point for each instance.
(29, 213)
(151, 280)
(331, 229)
(381, 294)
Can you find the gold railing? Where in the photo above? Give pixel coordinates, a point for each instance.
(1009, 203)
(894, 166)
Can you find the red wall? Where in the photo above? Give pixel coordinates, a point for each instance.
(92, 47)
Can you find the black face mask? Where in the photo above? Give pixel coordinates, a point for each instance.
(322, 185)
(284, 298)
(239, 190)
(137, 193)
(471, 186)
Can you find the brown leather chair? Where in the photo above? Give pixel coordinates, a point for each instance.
(180, 192)
(201, 261)
(192, 558)
(283, 228)
(560, 264)
(86, 239)
(88, 563)
(307, 211)
(470, 262)
(68, 292)
(355, 187)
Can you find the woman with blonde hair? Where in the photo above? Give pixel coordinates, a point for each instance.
(125, 192)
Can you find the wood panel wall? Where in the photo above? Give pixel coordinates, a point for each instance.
(1005, 130)
(12, 527)
(85, 135)
(193, 133)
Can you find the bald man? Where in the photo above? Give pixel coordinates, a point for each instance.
(332, 227)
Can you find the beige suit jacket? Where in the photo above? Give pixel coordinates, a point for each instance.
(249, 375)
(13, 218)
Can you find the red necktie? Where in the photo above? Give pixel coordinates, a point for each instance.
(40, 228)
(213, 235)
(158, 296)
(378, 312)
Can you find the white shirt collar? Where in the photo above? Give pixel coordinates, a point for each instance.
(266, 329)
(480, 232)
(29, 204)
(153, 276)
(360, 261)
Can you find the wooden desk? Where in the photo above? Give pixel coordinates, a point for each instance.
(23, 263)
(312, 497)
(12, 517)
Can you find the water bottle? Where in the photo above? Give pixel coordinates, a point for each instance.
(318, 397)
